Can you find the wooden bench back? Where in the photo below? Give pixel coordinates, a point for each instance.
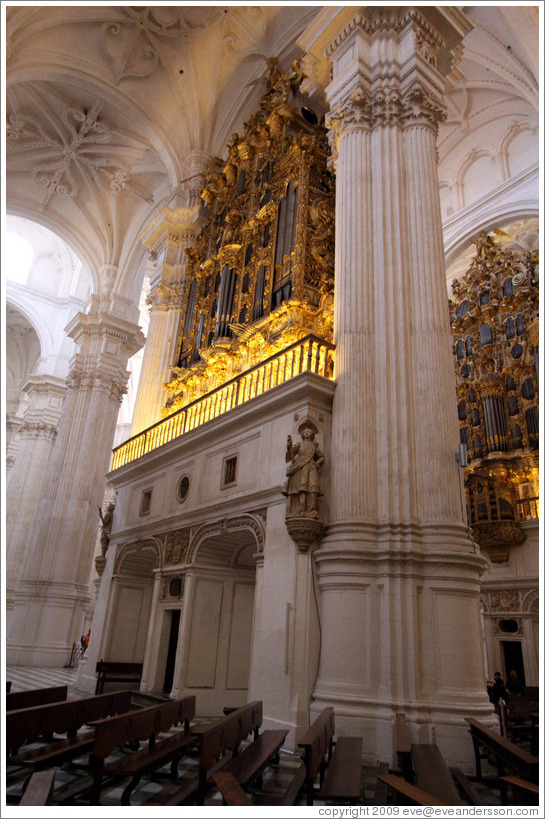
(107, 667)
(521, 709)
(27, 724)
(36, 696)
(227, 733)
(141, 725)
(317, 741)
(515, 758)
(531, 692)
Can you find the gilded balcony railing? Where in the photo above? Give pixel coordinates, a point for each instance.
(309, 354)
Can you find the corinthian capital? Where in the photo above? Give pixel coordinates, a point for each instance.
(165, 297)
(365, 109)
(352, 112)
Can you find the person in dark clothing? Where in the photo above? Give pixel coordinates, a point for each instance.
(496, 689)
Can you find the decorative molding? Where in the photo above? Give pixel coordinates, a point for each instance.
(165, 297)
(176, 546)
(132, 45)
(390, 22)
(504, 600)
(73, 151)
(113, 385)
(38, 430)
(304, 531)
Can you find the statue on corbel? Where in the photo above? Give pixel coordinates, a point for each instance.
(107, 520)
(303, 487)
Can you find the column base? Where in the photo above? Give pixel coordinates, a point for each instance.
(443, 725)
(46, 621)
(402, 633)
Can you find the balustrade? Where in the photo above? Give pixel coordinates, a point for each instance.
(309, 354)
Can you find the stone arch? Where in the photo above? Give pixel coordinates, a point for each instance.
(126, 550)
(216, 631)
(487, 219)
(530, 602)
(485, 607)
(252, 521)
(130, 600)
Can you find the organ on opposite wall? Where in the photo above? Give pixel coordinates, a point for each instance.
(495, 328)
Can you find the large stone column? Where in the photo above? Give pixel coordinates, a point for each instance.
(30, 470)
(53, 592)
(399, 573)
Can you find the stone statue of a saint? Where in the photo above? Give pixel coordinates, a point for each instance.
(107, 520)
(302, 487)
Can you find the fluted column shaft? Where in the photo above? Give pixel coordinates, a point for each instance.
(53, 591)
(398, 573)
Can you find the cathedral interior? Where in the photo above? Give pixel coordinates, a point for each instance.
(271, 393)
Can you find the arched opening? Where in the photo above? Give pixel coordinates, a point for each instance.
(131, 599)
(214, 648)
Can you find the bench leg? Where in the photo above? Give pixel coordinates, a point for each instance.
(126, 795)
(478, 772)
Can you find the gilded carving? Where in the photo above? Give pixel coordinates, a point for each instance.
(493, 307)
(266, 249)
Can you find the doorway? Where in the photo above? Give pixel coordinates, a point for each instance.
(171, 652)
(512, 657)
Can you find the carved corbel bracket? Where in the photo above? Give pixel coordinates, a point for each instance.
(305, 531)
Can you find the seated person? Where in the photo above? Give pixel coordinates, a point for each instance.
(514, 685)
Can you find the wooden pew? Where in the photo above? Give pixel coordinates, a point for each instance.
(433, 775)
(39, 789)
(36, 696)
(219, 748)
(129, 674)
(224, 737)
(42, 722)
(231, 791)
(518, 718)
(466, 787)
(404, 793)
(402, 747)
(507, 757)
(143, 725)
(524, 793)
(341, 781)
